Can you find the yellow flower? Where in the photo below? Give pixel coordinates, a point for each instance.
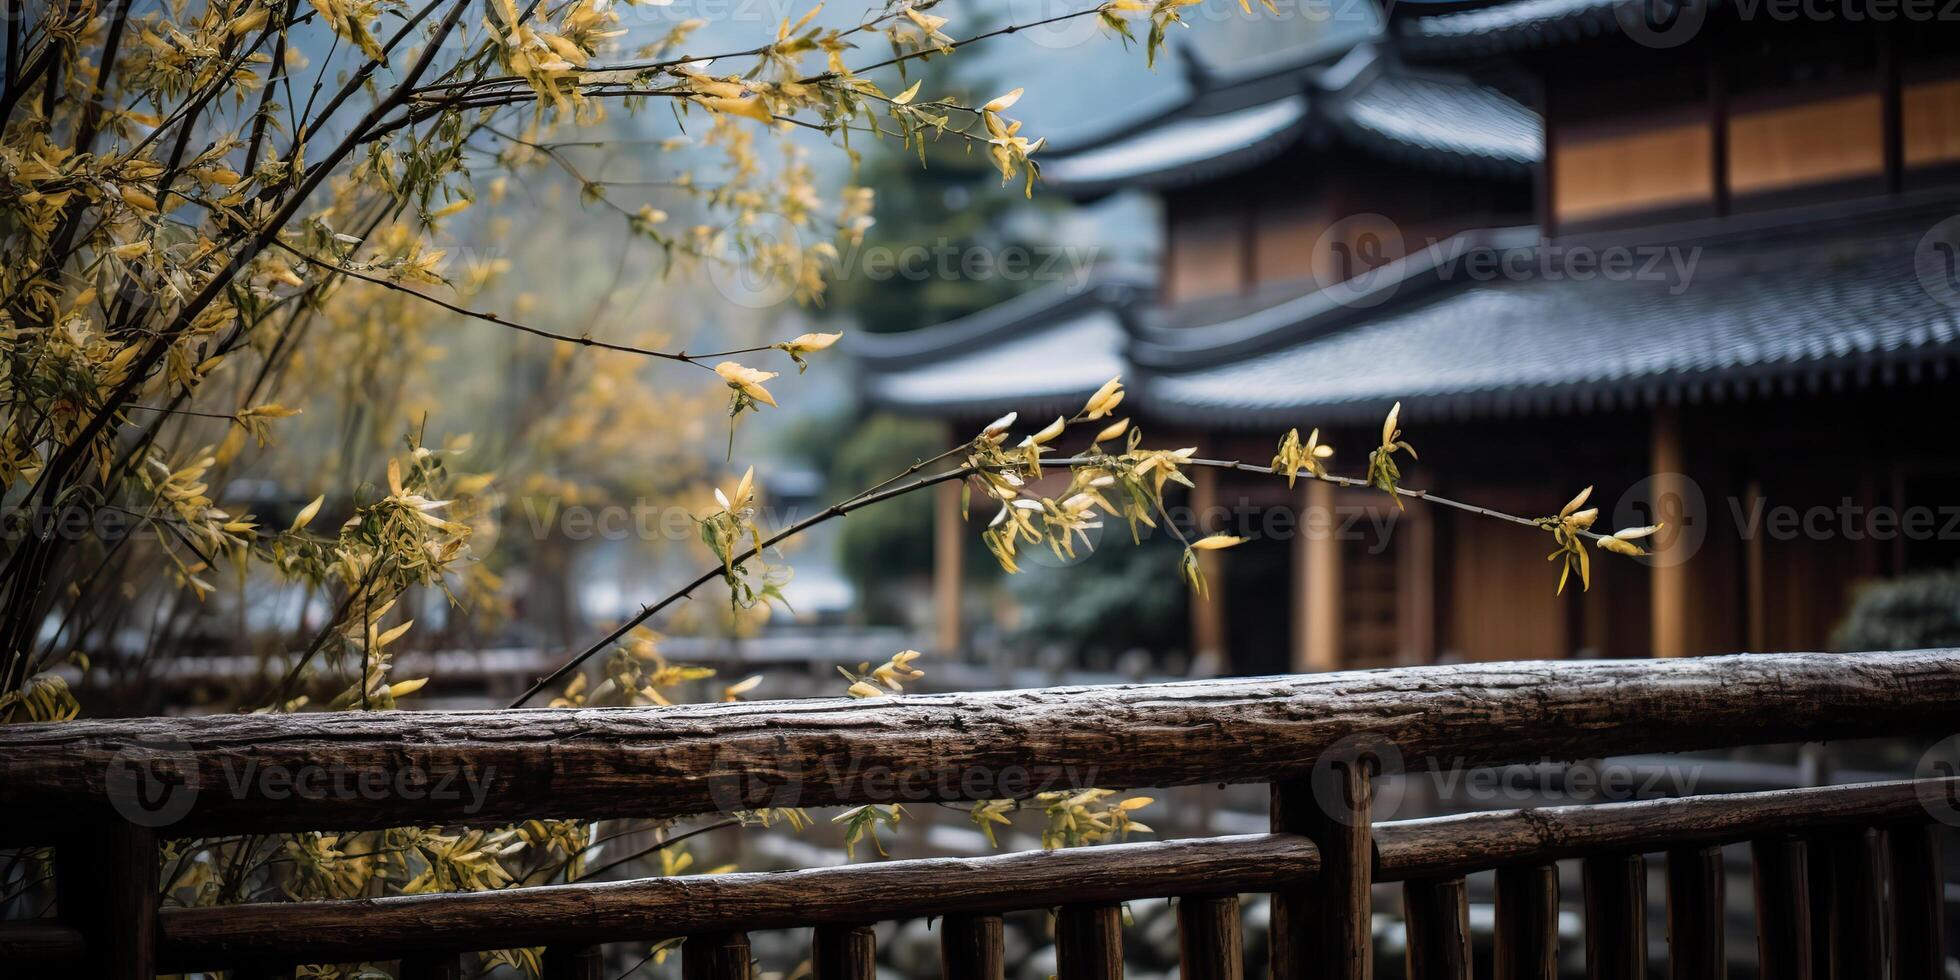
(1216, 542)
(747, 380)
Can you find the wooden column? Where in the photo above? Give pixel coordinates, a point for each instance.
(573, 963)
(1316, 582)
(106, 881)
(1089, 942)
(1918, 903)
(1754, 570)
(716, 956)
(1527, 923)
(972, 947)
(1209, 938)
(1856, 943)
(1616, 917)
(1415, 584)
(948, 566)
(1438, 928)
(1208, 624)
(1782, 881)
(1322, 929)
(844, 953)
(1696, 923)
(1670, 577)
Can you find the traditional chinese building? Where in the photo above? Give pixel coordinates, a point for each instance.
(1702, 263)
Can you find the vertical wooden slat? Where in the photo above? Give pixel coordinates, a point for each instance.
(1526, 946)
(1856, 943)
(106, 881)
(948, 566)
(1208, 938)
(576, 963)
(1323, 929)
(1783, 938)
(1439, 929)
(715, 956)
(1616, 917)
(972, 947)
(429, 966)
(1670, 588)
(1696, 919)
(1918, 904)
(844, 953)
(1089, 942)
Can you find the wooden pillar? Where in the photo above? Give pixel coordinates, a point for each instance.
(1696, 920)
(1322, 929)
(1754, 570)
(1526, 946)
(1209, 938)
(844, 953)
(1616, 917)
(106, 881)
(1857, 950)
(573, 963)
(1208, 630)
(972, 947)
(1782, 881)
(1089, 942)
(1438, 928)
(1415, 584)
(1316, 582)
(715, 956)
(1918, 917)
(948, 565)
(1670, 577)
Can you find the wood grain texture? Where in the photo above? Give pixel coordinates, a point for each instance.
(844, 953)
(197, 938)
(1089, 942)
(573, 963)
(1525, 946)
(1918, 917)
(1857, 949)
(716, 956)
(499, 766)
(1438, 912)
(1782, 883)
(106, 887)
(1324, 928)
(1616, 917)
(972, 947)
(1696, 915)
(1210, 941)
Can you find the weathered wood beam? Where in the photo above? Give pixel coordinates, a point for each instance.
(344, 931)
(345, 771)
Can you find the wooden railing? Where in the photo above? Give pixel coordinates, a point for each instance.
(1848, 881)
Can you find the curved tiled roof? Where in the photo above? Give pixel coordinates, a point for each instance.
(1430, 115)
(1184, 146)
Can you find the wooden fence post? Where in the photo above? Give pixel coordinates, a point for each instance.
(1616, 917)
(1918, 903)
(1089, 942)
(1857, 951)
(1208, 938)
(844, 953)
(715, 956)
(573, 963)
(972, 947)
(1438, 929)
(1527, 923)
(106, 881)
(1325, 929)
(1782, 879)
(1696, 915)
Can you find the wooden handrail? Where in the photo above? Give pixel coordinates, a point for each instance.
(373, 770)
(585, 914)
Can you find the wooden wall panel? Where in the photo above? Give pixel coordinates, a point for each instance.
(1503, 606)
(1283, 238)
(1608, 173)
(1204, 254)
(1808, 143)
(1931, 122)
